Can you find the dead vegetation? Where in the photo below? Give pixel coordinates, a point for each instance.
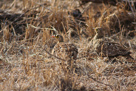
(26, 62)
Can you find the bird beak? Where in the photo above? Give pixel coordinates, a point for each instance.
(53, 36)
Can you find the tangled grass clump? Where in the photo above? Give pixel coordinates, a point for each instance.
(26, 62)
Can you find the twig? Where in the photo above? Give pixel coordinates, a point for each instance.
(100, 82)
(54, 55)
(39, 27)
(131, 6)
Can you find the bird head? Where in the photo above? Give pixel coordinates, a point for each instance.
(58, 37)
(98, 30)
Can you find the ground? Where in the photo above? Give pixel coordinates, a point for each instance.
(26, 61)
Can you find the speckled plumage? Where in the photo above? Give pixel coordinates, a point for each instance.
(106, 47)
(49, 44)
(66, 51)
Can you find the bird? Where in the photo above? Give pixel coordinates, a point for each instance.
(107, 47)
(66, 51)
(51, 41)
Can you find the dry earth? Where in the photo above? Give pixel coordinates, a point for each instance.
(26, 61)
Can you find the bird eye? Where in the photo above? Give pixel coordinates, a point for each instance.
(57, 36)
(97, 29)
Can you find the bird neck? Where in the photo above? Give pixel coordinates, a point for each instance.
(61, 40)
(96, 36)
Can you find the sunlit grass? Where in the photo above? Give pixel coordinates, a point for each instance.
(25, 63)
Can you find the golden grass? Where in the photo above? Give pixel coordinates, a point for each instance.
(26, 64)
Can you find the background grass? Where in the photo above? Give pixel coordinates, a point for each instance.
(25, 59)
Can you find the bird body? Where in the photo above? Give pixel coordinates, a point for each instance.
(50, 43)
(67, 51)
(66, 54)
(107, 47)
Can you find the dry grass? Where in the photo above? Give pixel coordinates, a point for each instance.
(26, 62)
